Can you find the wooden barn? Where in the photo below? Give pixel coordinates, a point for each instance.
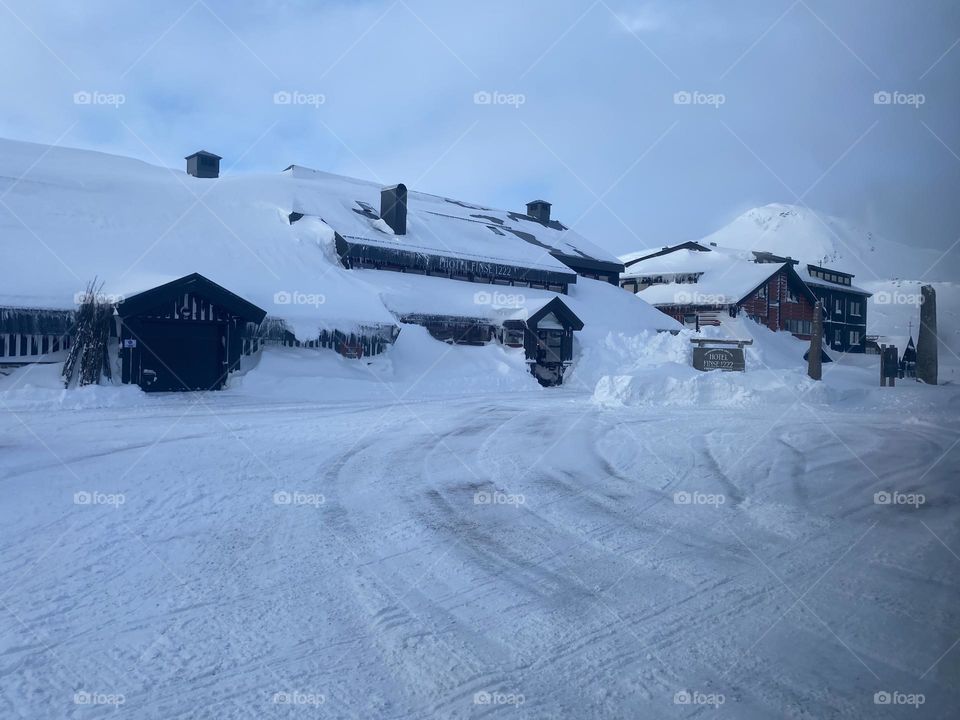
(185, 335)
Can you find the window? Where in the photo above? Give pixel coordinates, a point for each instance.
(762, 292)
(513, 337)
(799, 327)
(838, 307)
(855, 308)
(854, 337)
(791, 296)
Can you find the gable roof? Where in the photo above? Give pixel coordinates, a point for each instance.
(196, 283)
(443, 226)
(724, 276)
(203, 153)
(558, 308)
(805, 273)
(640, 255)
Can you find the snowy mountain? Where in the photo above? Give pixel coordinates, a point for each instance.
(816, 237)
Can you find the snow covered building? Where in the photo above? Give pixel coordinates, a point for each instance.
(30, 335)
(844, 307)
(700, 285)
(299, 257)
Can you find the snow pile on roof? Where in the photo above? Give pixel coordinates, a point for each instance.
(726, 276)
(71, 215)
(804, 272)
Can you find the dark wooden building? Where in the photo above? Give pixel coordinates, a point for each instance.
(185, 335)
(31, 335)
(844, 308)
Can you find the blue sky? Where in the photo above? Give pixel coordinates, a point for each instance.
(582, 103)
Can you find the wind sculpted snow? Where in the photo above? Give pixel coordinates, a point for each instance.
(233, 555)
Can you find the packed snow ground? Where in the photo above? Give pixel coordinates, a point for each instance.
(582, 552)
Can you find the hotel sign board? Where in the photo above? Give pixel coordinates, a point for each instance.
(714, 358)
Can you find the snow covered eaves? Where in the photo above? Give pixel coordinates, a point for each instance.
(717, 286)
(805, 275)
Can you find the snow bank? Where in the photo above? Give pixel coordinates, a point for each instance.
(658, 371)
(417, 366)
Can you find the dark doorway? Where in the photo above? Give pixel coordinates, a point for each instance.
(177, 356)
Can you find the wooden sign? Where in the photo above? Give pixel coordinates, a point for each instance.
(730, 359)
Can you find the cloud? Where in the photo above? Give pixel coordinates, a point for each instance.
(646, 19)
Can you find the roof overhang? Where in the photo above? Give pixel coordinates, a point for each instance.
(195, 282)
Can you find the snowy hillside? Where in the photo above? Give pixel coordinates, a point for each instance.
(815, 237)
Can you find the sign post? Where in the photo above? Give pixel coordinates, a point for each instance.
(726, 355)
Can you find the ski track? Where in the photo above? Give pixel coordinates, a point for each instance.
(400, 596)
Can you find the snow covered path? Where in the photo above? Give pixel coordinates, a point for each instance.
(528, 556)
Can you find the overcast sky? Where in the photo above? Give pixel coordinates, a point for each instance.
(499, 103)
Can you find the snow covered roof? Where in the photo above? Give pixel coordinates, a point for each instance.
(69, 216)
(439, 225)
(804, 272)
(724, 276)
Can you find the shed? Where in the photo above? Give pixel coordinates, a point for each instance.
(185, 335)
(547, 335)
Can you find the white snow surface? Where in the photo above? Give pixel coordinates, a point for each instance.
(325, 538)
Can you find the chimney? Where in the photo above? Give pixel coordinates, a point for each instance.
(203, 164)
(539, 210)
(393, 207)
